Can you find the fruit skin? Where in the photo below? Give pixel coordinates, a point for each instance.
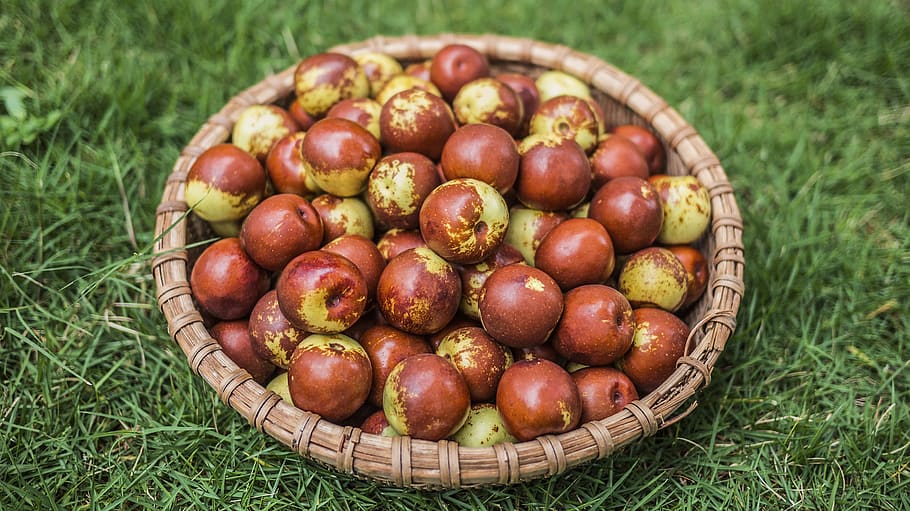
(414, 120)
(552, 83)
(654, 277)
(464, 220)
(363, 111)
(330, 375)
(274, 337)
(629, 207)
(234, 339)
(425, 397)
(554, 173)
(648, 143)
(343, 215)
(404, 82)
(578, 251)
(686, 206)
(528, 227)
(279, 385)
(696, 271)
(484, 152)
(379, 68)
(386, 346)
(224, 183)
(397, 187)
(538, 397)
(339, 155)
(596, 326)
(454, 65)
(483, 428)
(321, 292)
(226, 282)
(478, 357)
(617, 156)
(280, 228)
(259, 126)
(323, 79)
(377, 424)
(286, 170)
(418, 291)
(658, 342)
(365, 256)
(474, 275)
(396, 241)
(527, 92)
(604, 391)
(568, 117)
(487, 100)
(520, 305)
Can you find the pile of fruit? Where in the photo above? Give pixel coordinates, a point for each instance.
(440, 251)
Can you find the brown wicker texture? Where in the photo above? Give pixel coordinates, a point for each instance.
(417, 463)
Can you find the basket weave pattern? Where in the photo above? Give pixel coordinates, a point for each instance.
(416, 463)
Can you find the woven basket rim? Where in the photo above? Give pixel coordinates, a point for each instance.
(409, 462)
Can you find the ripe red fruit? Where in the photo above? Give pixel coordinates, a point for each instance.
(538, 397)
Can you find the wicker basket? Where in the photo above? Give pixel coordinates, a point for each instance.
(416, 463)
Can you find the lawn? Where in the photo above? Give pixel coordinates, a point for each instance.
(807, 105)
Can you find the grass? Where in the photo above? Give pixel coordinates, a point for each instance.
(806, 104)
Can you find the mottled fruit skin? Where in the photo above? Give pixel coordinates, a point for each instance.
(226, 282)
(596, 326)
(339, 155)
(224, 183)
(483, 152)
(527, 92)
(537, 397)
(323, 79)
(520, 305)
(686, 205)
(658, 342)
(545, 351)
(554, 174)
(286, 170)
(648, 143)
(568, 117)
(280, 228)
(386, 346)
(364, 254)
(478, 357)
(426, 398)
(528, 227)
(259, 126)
(489, 101)
(274, 337)
(604, 391)
(454, 65)
(630, 209)
(234, 339)
(464, 220)
(483, 428)
(396, 241)
(617, 156)
(399, 83)
(343, 215)
(474, 275)
(697, 272)
(322, 292)
(418, 291)
(416, 121)
(363, 111)
(397, 187)
(379, 68)
(576, 252)
(330, 375)
(377, 424)
(654, 277)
